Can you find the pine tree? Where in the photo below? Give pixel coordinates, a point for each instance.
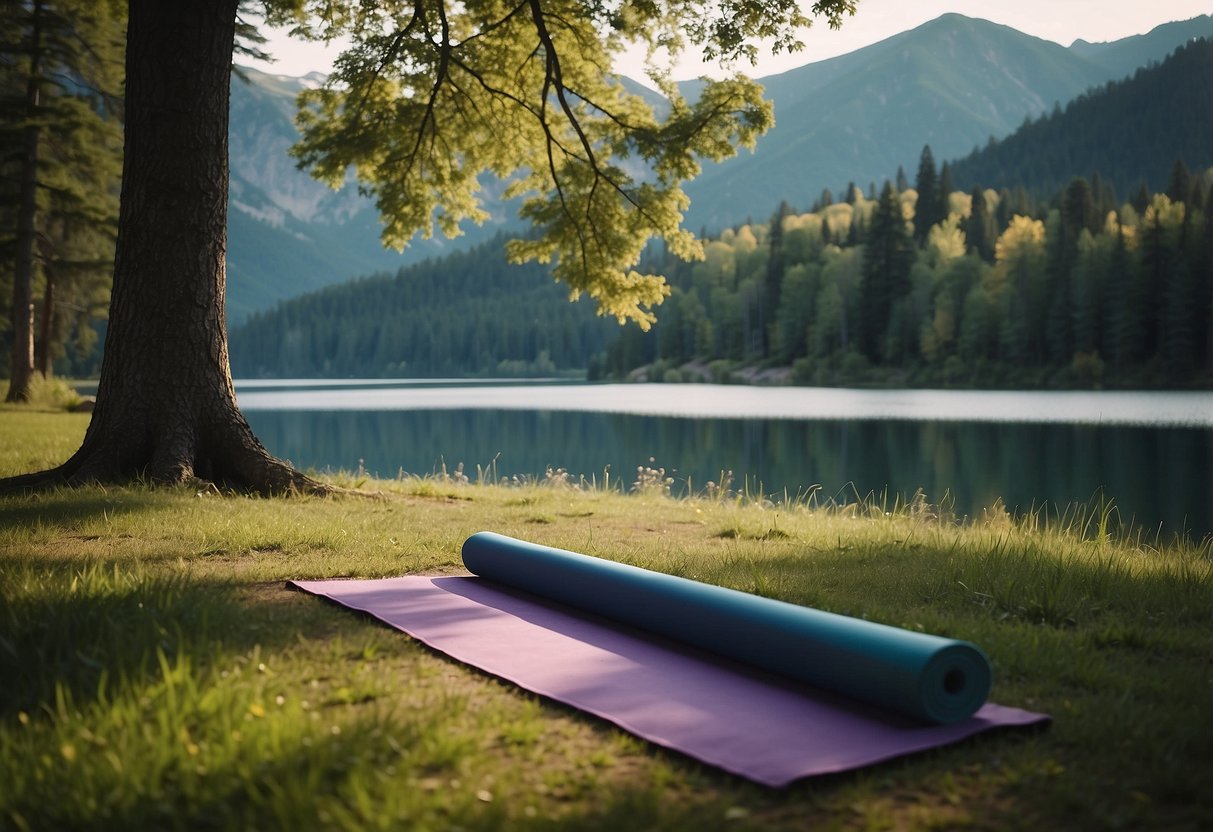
(1021, 267)
(1181, 305)
(83, 167)
(1087, 286)
(887, 257)
(979, 227)
(1179, 187)
(978, 327)
(61, 63)
(796, 311)
(1076, 215)
(773, 282)
(1204, 284)
(1160, 270)
(1141, 198)
(943, 205)
(1104, 196)
(1123, 328)
(926, 209)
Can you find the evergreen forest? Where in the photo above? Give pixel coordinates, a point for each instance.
(927, 285)
(468, 314)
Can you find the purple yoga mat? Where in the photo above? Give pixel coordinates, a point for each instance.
(747, 722)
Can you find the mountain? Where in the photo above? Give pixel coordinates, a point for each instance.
(952, 83)
(287, 233)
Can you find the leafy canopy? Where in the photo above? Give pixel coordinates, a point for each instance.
(431, 95)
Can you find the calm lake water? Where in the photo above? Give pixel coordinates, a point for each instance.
(1150, 452)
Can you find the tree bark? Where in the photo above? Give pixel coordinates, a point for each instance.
(166, 408)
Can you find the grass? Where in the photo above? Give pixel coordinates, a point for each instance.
(156, 674)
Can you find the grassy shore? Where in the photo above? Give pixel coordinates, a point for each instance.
(154, 672)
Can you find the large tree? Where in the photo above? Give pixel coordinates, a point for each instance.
(429, 96)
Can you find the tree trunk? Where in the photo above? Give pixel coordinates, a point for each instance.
(166, 409)
(27, 209)
(43, 363)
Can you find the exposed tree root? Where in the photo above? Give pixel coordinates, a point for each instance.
(243, 466)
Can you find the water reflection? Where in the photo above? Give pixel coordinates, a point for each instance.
(1158, 476)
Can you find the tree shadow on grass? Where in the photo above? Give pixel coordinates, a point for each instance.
(70, 507)
(299, 776)
(78, 625)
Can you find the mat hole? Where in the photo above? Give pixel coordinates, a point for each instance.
(954, 681)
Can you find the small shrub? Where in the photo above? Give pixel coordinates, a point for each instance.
(854, 365)
(955, 372)
(50, 394)
(1086, 370)
(804, 371)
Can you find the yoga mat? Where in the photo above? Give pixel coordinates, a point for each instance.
(919, 675)
(754, 724)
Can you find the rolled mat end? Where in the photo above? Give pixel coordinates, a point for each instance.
(955, 683)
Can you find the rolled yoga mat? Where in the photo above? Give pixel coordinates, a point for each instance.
(934, 679)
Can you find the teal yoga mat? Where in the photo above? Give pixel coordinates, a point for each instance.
(927, 677)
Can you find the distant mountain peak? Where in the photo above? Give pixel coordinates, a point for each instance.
(313, 79)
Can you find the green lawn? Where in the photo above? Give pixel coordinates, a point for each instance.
(154, 673)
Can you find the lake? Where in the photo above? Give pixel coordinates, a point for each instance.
(1149, 452)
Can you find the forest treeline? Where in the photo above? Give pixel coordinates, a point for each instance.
(926, 285)
(468, 314)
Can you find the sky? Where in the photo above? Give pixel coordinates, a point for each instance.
(1062, 21)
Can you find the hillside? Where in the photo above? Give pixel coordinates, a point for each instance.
(1158, 115)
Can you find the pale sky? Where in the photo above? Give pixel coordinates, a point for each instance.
(1062, 21)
